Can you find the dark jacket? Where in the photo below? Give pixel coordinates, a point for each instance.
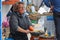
(17, 20)
(55, 3)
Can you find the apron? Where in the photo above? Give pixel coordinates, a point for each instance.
(19, 36)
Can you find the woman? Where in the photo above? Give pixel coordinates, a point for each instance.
(19, 23)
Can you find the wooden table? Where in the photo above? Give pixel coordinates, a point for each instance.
(41, 38)
(33, 38)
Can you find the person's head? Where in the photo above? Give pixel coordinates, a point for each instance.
(19, 7)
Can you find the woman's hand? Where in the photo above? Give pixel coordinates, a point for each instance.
(27, 31)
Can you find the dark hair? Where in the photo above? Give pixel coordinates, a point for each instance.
(15, 6)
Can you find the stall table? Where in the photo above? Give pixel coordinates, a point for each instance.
(41, 38)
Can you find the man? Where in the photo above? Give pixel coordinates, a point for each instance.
(55, 7)
(19, 23)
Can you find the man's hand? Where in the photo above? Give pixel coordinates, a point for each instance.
(51, 8)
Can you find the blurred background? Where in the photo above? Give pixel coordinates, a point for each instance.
(38, 13)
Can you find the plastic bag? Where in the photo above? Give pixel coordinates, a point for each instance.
(5, 22)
